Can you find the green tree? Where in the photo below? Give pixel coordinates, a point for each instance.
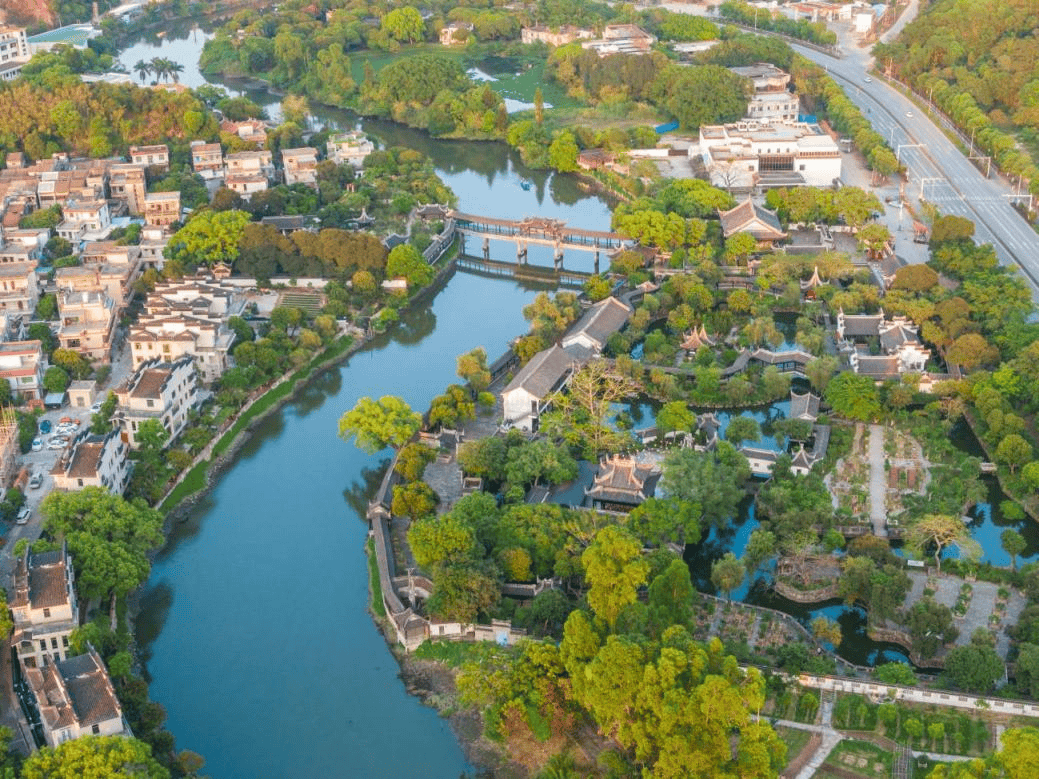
(614, 570)
(581, 417)
(742, 428)
(895, 673)
(441, 540)
(562, 153)
(412, 461)
(376, 424)
(825, 629)
(712, 481)
(675, 416)
(974, 668)
(55, 380)
(472, 368)
(658, 521)
(761, 547)
(208, 238)
(74, 363)
(94, 757)
(109, 538)
(405, 261)
(1014, 451)
(671, 596)
(404, 24)
(461, 593)
(727, 574)
(1013, 544)
(939, 531)
(413, 500)
(705, 94)
(529, 463)
(854, 396)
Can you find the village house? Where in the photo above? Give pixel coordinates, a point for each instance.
(300, 165)
(153, 247)
(82, 393)
(455, 33)
(85, 220)
(75, 698)
(162, 208)
(128, 184)
(19, 292)
(530, 392)
(205, 338)
(22, 366)
(252, 131)
(621, 39)
(93, 461)
(163, 391)
(155, 156)
(14, 50)
(44, 607)
(771, 101)
(881, 348)
(349, 148)
(758, 221)
(207, 159)
(114, 281)
(765, 76)
(568, 33)
(55, 187)
(622, 483)
(87, 323)
(751, 154)
(246, 184)
(110, 253)
(197, 296)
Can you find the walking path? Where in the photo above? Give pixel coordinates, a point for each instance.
(877, 482)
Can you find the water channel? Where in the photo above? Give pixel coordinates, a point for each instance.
(253, 624)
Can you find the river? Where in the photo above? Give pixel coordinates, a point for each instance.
(253, 625)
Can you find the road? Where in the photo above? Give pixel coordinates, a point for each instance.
(938, 171)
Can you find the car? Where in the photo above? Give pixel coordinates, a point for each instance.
(868, 80)
(57, 443)
(909, 114)
(37, 444)
(35, 481)
(96, 408)
(45, 425)
(23, 515)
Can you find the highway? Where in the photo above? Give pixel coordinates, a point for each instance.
(938, 171)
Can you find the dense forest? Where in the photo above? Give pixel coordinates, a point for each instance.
(977, 61)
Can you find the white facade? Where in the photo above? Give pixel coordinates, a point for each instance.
(93, 461)
(165, 392)
(75, 698)
(739, 155)
(349, 148)
(44, 607)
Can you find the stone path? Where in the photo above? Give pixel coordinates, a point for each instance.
(877, 482)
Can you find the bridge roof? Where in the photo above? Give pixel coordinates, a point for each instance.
(535, 224)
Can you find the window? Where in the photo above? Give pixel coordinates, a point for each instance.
(65, 641)
(46, 612)
(43, 645)
(150, 403)
(54, 643)
(95, 729)
(79, 482)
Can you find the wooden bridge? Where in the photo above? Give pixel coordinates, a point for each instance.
(558, 276)
(537, 230)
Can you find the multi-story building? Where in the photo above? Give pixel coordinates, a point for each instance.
(352, 147)
(207, 339)
(93, 461)
(155, 156)
(300, 165)
(250, 130)
(747, 155)
(771, 101)
(14, 52)
(246, 184)
(85, 220)
(207, 159)
(115, 281)
(88, 319)
(621, 39)
(22, 366)
(568, 33)
(44, 607)
(250, 162)
(19, 292)
(162, 208)
(152, 246)
(75, 698)
(164, 391)
(127, 183)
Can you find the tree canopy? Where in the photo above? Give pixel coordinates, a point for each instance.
(376, 424)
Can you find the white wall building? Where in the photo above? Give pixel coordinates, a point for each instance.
(93, 461)
(44, 607)
(164, 391)
(746, 155)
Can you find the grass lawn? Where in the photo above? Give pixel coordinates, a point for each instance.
(373, 577)
(456, 653)
(860, 758)
(794, 739)
(193, 482)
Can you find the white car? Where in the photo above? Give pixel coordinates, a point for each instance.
(36, 481)
(57, 443)
(23, 515)
(868, 80)
(909, 114)
(96, 408)
(37, 444)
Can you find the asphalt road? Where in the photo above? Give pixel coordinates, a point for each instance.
(938, 171)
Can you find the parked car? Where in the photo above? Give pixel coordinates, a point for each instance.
(96, 408)
(37, 444)
(57, 443)
(36, 481)
(45, 425)
(23, 515)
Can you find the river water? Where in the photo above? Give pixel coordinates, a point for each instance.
(253, 624)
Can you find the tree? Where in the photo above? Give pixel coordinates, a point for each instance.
(94, 757)
(412, 461)
(951, 228)
(208, 238)
(1014, 451)
(873, 238)
(55, 380)
(712, 481)
(441, 540)
(614, 570)
(826, 630)
(414, 500)
(659, 521)
(761, 547)
(1013, 544)
(971, 350)
(727, 574)
(143, 69)
(74, 363)
(462, 592)
(562, 153)
(974, 668)
(742, 428)
(405, 261)
(109, 538)
(581, 416)
(529, 463)
(706, 94)
(940, 531)
(915, 278)
(671, 596)
(472, 368)
(404, 24)
(675, 416)
(854, 396)
(895, 673)
(376, 424)
(930, 626)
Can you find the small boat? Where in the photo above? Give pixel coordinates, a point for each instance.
(526, 184)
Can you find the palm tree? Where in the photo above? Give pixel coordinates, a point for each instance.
(160, 67)
(175, 69)
(143, 69)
